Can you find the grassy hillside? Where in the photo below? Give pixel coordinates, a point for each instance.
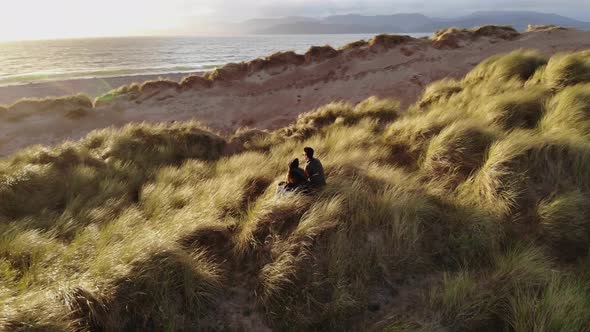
(471, 211)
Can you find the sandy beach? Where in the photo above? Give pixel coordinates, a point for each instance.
(268, 93)
(93, 87)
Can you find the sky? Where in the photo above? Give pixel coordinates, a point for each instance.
(42, 19)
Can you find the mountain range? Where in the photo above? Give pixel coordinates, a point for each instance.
(411, 22)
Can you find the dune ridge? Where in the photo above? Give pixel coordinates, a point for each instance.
(381, 42)
(469, 211)
(269, 93)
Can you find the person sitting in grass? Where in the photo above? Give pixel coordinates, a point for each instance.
(314, 171)
(296, 178)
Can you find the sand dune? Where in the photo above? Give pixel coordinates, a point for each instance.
(269, 93)
(90, 86)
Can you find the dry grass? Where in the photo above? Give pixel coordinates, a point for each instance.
(516, 65)
(468, 213)
(565, 70)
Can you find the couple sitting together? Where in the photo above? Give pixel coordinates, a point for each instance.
(310, 177)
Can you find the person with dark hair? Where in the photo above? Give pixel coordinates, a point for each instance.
(314, 171)
(295, 178)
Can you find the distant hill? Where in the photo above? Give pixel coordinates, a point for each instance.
(402, 23)
(519, 20)
(261, 24)
(326, 28)
(396, 20)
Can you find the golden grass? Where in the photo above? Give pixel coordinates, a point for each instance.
(473, 208)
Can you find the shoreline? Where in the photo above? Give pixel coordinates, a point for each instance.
(92, 87)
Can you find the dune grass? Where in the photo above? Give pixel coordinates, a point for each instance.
(519, 65)
(132, 90)
(70, 107)
(469, 212)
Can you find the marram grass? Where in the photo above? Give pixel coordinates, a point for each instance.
(470, 212)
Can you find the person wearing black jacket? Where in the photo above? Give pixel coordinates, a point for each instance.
(314, 171)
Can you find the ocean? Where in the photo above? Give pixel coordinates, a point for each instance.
(23, 62)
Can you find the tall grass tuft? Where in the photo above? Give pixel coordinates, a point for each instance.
(469, 212)
(520, 65)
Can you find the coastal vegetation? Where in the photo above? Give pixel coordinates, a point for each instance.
(469, 211)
